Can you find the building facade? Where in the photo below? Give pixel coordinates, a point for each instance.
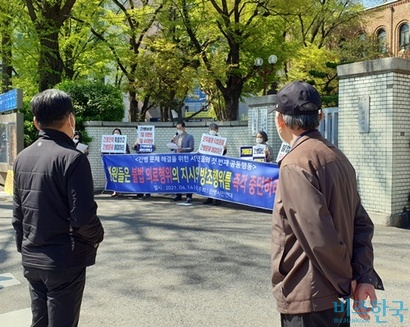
(390, 24)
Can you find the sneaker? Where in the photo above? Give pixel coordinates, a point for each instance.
(146, 196)
(218, 202)
(189, 200)
(208, 201)
(177, 198)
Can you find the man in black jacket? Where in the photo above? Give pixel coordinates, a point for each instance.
(55, 215)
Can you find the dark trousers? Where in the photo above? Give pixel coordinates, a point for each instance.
(55, 296)
(327, 318)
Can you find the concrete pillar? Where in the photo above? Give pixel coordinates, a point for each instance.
(374, 132)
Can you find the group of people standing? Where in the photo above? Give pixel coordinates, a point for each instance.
(322, 253)
(185, 143)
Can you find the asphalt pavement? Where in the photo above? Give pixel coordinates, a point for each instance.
(174, 264)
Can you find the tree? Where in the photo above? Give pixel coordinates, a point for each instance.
(222, 33)
(167, 67)
(94, 101)
(6, 46)
(133, 23)
(48, 16)
(324, 34)
(84, 55)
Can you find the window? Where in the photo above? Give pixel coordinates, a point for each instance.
(404, 37)
(382, 40)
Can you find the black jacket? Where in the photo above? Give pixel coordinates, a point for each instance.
(55, 215)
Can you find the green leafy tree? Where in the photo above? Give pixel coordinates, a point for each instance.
(167, 67)
(224, 34)
(94, 101)
(84, 54)
(325, 34)
(48, 17)
(123, 31)
(6, 31)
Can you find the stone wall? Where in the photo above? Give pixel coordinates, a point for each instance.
(236, 133)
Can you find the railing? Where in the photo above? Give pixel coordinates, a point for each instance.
(329, 125)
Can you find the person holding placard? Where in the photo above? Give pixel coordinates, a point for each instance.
(213, 130)
(144, 145)
(117, 131)
(261, 140)
(78, 139)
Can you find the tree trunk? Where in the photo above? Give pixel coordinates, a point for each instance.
(134, 116)
(48, 17)
(50, 64)
(231, 97)
(6, 58)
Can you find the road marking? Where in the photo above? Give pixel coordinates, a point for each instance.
(8, 279)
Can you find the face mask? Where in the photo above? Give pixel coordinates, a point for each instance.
(116, 133)
(76, 141)
(180, 132)
(259, 140)
(212, 133)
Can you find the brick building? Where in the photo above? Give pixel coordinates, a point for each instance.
(390, 23)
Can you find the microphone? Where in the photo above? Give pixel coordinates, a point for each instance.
(176, 134)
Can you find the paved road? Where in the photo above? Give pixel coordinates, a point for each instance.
(164, 264)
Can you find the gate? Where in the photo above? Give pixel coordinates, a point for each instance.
(329, 125)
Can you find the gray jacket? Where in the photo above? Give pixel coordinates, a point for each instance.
(187, 143)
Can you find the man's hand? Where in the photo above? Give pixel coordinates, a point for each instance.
(360, 294)
(353, 286)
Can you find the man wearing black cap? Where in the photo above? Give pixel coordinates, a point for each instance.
(322, 250)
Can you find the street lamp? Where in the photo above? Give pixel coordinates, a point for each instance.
(265, 71)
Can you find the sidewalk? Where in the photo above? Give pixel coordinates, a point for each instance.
(164, 264)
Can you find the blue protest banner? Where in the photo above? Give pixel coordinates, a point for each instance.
(229, 179)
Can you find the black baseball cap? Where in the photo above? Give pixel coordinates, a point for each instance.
(292, 96)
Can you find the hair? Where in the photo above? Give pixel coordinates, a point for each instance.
(264, 136)
(306, 122)
(51, 108)
(116, 129)
(214, 126)
(181, 123)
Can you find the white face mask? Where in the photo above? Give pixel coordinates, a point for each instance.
(259, 140)
(76, 141)
(212, 133)
(180, 132)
